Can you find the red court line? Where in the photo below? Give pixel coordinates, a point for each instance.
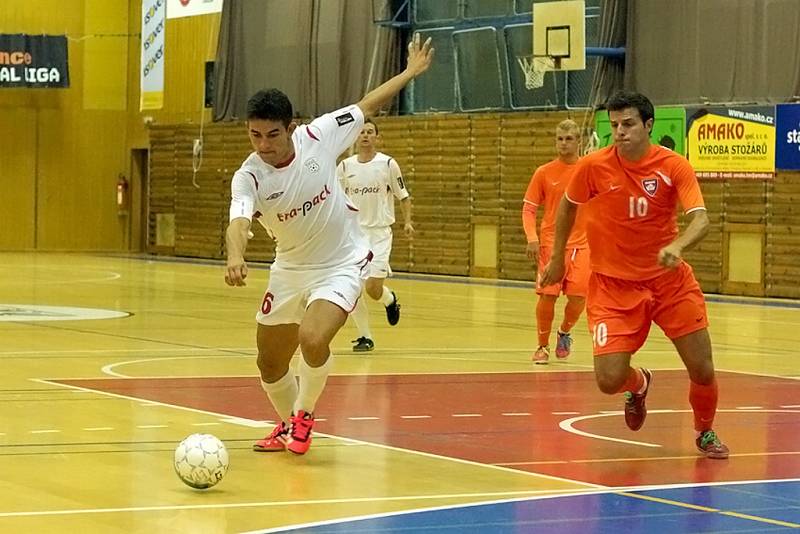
(536, 442)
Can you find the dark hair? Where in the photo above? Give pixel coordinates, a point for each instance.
(628, 99)
(271, 105)
(370, 121)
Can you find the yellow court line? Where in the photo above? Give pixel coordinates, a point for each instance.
(711, 510)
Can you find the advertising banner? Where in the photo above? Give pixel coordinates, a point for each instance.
(154, 18)
(731, 141)
(190, 8)
(787, 132)
(35, 61)
(668, 128)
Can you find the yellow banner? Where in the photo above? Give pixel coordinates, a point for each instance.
(152, 100)
(732, 142)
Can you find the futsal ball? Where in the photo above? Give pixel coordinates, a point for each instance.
(201, 460)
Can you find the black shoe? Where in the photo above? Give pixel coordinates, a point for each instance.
(363, 344)
(393, 311)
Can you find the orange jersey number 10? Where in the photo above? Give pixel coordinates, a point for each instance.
(637, 207)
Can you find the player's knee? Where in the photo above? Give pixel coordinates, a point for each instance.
(270, 369)
(701, 370)
(374, 289)
(609, 382)
(312, 342)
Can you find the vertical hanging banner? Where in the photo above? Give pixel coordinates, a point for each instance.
(154, 16)
(732, 141)
(190, 8)
(36, 61)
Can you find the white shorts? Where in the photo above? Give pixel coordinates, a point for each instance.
(290, 292)
(380, 243)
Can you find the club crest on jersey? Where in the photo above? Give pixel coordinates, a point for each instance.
(650, 186)
(312, 165)
(345, 118)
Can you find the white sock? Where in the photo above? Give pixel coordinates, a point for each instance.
(282, 394)
(386, 298)
(312, 382)
(360, 315)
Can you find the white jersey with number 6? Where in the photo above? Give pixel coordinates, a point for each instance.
(301, 205)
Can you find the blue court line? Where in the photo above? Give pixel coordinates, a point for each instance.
(449, 279)
(744, 507)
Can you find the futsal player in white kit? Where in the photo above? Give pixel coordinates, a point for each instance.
(289, 185)
(373, 180)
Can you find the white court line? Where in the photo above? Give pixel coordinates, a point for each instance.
(466, 415)
(645, 458)
(205, 424)
(50, 431)
(415, 417)
(152, 426)
(268, 504)
(516, 414)
(363, 418)
(345, 439)
(98, 428)
(566, 424)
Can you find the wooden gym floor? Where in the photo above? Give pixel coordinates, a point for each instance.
(446, 426)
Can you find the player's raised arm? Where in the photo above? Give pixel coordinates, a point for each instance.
(420, 57)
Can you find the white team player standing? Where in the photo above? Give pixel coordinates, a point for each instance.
(373, 180)
(289, 185)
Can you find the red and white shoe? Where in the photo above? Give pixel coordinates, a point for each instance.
(300, 433)
(276, 441)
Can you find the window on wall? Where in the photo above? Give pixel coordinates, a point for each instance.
(435, 11)
(488, 8)
(478, 69)
(436, 90)
(478, 44)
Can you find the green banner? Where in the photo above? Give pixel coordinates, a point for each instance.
(668, 129)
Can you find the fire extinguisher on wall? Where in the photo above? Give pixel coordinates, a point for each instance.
(122, 194)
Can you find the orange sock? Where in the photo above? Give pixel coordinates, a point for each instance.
(545, 311)
(634, 382)
(703, 399)
(572, 312)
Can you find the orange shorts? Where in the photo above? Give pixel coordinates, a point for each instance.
(576, 276)
(620, 311)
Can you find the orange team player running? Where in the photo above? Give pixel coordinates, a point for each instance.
(546, 188)
(630, 191)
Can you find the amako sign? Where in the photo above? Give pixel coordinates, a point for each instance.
(731, 142)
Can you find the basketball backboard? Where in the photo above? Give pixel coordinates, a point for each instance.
(559, 35)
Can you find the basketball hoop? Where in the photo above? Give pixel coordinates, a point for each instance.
(534, 69)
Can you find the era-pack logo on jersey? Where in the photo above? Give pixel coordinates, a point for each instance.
(650, 186)
(346, 118)
(306, 207)
(312, 165)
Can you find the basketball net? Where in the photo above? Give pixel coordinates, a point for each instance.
(534, 69)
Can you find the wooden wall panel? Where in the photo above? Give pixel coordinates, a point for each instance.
(86, 132)
(18, 179)
(463, 169)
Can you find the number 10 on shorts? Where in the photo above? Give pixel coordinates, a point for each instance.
(600, 335)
